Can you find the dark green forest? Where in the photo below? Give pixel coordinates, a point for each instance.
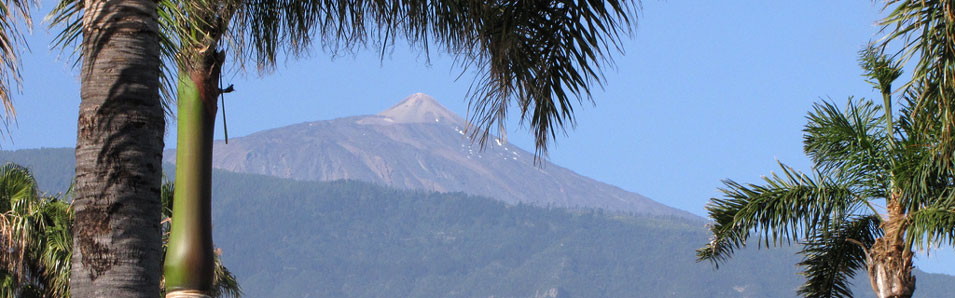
(285, 238)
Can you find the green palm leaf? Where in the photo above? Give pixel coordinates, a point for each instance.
(832, 257)
(849, 144)
(11, 43)
(925, 30)
(785, 209)
(541, 56)
(932, 225)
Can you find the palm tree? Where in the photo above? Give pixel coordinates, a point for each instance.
(118, 148)
(542, 55)
(35, 233)
(874, 196)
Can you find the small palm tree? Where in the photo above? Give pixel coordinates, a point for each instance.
(874, 195)
(36, 238)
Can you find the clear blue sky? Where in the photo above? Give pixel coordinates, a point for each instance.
(705, 91)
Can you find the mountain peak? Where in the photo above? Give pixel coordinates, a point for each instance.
(420, 108)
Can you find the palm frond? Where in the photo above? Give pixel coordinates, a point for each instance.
(783, 209)
(36, 237)
(932, 225)
(11, 45)
(922, 172)
(67, 14)
(225, 283)
(925, 30)
(54, 256)
(880, 70)
(166, 192)
(848, 143)
(832, 257)
(16, 183)
(541, 56)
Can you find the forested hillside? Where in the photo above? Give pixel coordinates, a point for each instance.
(285, 238)
(351, 239)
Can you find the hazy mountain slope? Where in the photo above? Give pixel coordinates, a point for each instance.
(287, 238)
(418, 144)
(351, 239)
(53, 167)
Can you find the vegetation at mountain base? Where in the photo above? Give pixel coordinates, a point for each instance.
(875, 195)
(285, 238)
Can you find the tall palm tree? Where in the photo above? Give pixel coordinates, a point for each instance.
(118, 148)
(873, 197)
(542, 56)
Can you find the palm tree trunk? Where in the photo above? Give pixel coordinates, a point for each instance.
(118, 153)
(889, 261)
(190, 260)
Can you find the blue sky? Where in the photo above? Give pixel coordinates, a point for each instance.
(705, 91)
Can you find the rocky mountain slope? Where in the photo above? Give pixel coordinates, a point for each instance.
(419, 144)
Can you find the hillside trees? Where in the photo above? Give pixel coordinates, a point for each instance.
(871, 199)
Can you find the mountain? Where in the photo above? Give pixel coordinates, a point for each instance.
(419, 144)
(286, 238)
(53, 167)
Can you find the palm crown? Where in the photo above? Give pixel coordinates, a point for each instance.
(542, 56)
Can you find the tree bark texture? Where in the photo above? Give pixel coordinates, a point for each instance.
(190, 259)
(889, 261)
(117, 243)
